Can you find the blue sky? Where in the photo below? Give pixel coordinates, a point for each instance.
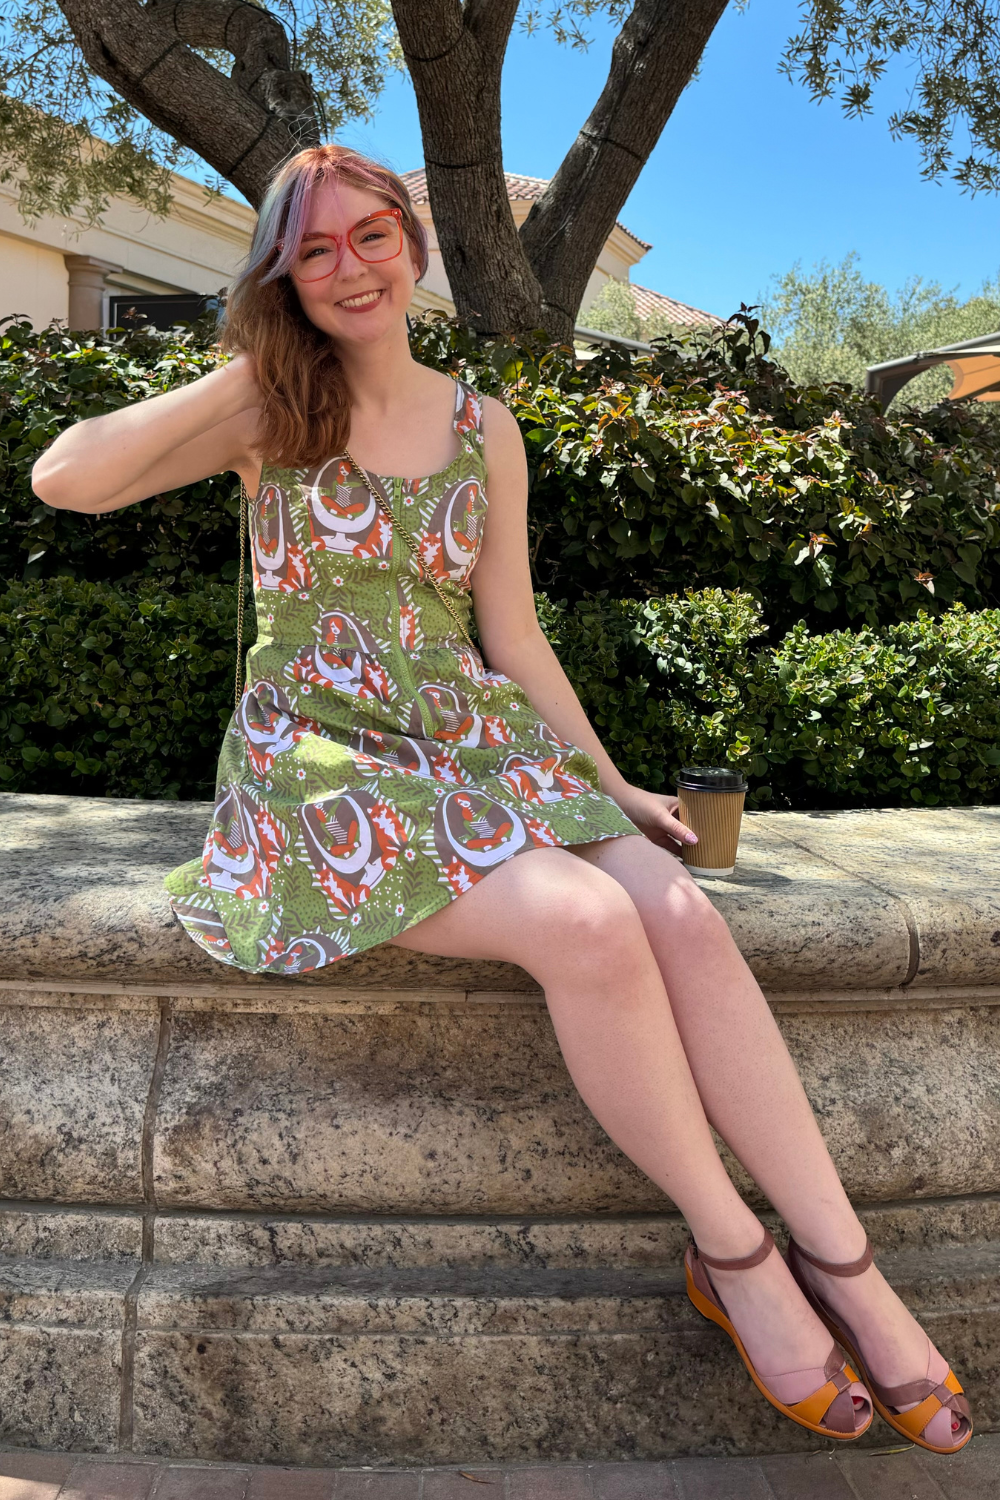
(749, 175)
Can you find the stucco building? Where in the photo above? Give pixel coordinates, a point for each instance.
(59, 268)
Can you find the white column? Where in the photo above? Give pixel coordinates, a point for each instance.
(87, 286)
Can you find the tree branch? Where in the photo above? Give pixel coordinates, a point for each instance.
(653, 59)
(244, 126)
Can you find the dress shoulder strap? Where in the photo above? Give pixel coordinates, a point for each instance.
(468, 419)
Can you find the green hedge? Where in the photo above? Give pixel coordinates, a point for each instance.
(699, 466)
(51, 378)
(707, 465)
(115, 694)
(110, 692)
(905, 715)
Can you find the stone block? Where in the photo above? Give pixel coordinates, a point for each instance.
(43, 1232)
(73, 1088)
(942, 863)
(239, 1241)
(420, 1112)
(802, 923)
(816, 897)
(404, 1113)
(60, 1355)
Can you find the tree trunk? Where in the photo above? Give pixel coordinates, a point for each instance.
(245, 125)
(653, 60)
(501, 280)
(455, 56)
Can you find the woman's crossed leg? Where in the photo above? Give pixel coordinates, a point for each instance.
(609, 930)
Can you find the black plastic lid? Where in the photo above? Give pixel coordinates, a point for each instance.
(711, 779)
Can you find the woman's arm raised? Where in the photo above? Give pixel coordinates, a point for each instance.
(512, 638)
(107, 462)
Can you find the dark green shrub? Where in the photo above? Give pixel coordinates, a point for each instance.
(707, 465)
(51, 378)
(699, 466)
(873, 718)
(110, 693)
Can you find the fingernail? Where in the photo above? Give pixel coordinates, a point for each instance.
(690, 838)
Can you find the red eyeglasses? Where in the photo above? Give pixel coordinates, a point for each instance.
(376, 237)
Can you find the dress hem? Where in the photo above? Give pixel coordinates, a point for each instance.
(450, 896)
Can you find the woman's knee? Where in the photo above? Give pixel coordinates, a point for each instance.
(671, 902)
(590, 924)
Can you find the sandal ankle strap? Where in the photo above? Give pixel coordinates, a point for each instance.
(848, 1268)
(743, 1263)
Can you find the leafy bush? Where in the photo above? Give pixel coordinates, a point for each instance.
(110, 693)
(702, 465)
(51, 378)
(127, 694)
(874, 718)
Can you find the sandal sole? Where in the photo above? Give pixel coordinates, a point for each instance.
(846, 1344)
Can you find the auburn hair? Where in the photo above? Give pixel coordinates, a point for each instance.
(305, 415)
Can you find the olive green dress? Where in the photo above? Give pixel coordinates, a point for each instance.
(375, 768)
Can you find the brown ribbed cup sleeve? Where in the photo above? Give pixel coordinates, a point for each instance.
(715, 817)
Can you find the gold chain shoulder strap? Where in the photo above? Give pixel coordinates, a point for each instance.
(382, 499)
(244, 506)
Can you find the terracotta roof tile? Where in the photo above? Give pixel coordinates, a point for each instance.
(520, 188)
(647, 302)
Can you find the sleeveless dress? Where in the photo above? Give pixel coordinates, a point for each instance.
(375, 768)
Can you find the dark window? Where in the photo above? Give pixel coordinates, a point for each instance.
(125, 309)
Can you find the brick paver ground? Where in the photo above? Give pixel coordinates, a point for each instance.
(855, 1475)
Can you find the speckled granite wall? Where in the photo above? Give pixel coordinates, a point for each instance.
(364, 1217)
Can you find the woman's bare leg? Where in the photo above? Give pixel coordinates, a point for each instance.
(752, 1095)
(577, 931)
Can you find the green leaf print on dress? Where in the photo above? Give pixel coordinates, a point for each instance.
(375, 769)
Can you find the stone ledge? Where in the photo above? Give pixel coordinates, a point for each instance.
(875, 901)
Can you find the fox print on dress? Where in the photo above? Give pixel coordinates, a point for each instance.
(278, 559)
(344, 516)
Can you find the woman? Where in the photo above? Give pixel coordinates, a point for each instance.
(377, 779)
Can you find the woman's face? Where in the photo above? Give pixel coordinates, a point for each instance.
(361, 301)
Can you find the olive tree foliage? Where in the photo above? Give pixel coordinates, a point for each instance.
(105, 97)
(830, 324)
(613, 310)
(100, 98)
(952, 49)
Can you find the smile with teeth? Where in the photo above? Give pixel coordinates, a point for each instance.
(363, 299)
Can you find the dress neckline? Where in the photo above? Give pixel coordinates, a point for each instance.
(463, 445)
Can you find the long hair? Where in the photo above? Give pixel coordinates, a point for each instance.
(305, 415)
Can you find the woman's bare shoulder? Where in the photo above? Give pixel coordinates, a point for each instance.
(499, 423)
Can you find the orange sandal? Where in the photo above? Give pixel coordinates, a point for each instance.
(924, 1397)
(830, 1409)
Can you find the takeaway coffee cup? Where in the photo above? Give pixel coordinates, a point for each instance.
(711, 804)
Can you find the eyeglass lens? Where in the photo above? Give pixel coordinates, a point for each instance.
(371, 239)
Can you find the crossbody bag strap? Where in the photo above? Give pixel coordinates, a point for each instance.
(241, 592)
(382, 500)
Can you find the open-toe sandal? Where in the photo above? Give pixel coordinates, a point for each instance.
(938, 1391)
(829, 1409)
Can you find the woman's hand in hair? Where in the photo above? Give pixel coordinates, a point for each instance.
(162, 443)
